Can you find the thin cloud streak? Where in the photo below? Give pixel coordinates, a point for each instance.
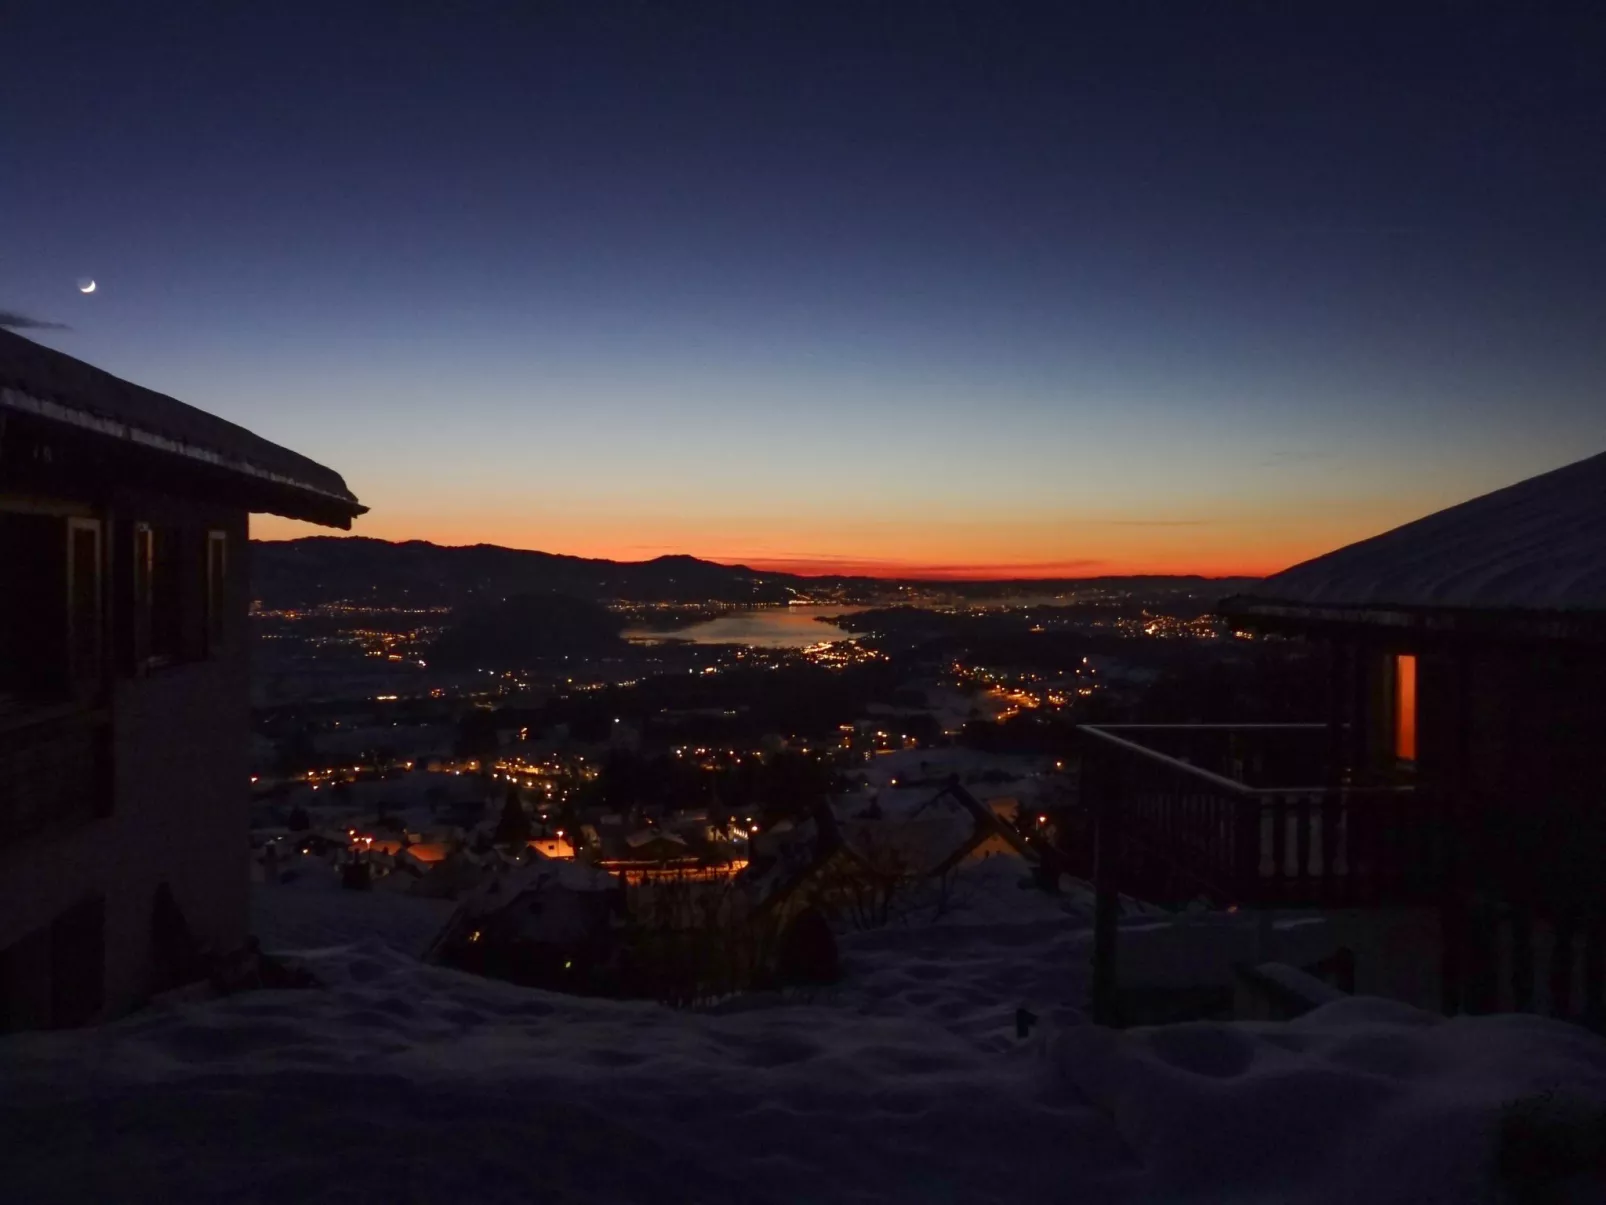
(21, 322)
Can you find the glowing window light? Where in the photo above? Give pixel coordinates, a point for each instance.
(1405, 707)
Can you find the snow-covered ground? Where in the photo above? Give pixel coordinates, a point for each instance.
(313, 912)
(418, 795)
(932, 767)
(400, 1082)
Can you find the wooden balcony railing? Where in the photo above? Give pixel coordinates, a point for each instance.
(54, 770)
(1180, 812)
(1177, 820)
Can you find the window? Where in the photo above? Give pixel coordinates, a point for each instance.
(217, 597)
(51, 615)
(166, 597)
(143, 556)
(180, 594)
(1405, 707)
(83, 605)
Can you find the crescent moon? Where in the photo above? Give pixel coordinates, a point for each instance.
(87, 288)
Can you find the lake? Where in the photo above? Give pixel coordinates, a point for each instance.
(758, 627)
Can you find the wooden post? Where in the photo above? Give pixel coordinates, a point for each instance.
(1362, 714)
(1338, 668)
(1302, 842)
(1277, 805)
(1106, 885)
(1333, 894)
(1594, 972)
(1246, 848)
(1522, 958)
(1483, 973)
(1454, 821)
(1452, 937)
(1561, 965)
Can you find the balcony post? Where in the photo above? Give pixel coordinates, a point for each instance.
(1594, 972)
(1564, 928)
(1340, 658)
(1246, 848)
(1522, 958)
(1452, 942)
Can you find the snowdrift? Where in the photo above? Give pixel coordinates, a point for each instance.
(397, 1081)
(1360, 1100)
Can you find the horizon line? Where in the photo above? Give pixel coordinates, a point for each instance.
(852, 567)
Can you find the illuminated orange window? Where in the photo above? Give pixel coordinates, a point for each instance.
(1405, 707)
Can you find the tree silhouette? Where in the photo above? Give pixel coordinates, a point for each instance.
(513, 826)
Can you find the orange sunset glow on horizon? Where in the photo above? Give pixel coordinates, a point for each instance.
(1006, 552)
(1036, 513)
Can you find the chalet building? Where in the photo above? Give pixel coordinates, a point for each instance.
(945, 832)
(124, 707)
(1460, 773)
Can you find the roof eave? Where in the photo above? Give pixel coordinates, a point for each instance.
(264, 490)
(1415, 621)
(316, 510)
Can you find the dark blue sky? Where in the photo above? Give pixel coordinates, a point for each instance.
(1185, 285)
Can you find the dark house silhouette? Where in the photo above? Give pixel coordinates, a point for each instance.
(124, 704)
(1462, 764)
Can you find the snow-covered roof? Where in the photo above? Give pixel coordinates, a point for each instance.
(651, 836)
(47, 385)
(788, 854)
(1536, 545)
(429, 852)
(537, 874)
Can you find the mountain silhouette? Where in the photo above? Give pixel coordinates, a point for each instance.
(321, 569)
(358, 569)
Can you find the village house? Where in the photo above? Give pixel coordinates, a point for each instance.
(1453, 793)
(541, 923)
(873, 859)
(124, 706)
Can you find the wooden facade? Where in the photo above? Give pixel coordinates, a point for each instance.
(124, 700)
(1503, 742)
(1466, 776)
(1460, 767)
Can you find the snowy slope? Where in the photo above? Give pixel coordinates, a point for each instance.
(1360, 1100)
(313, 912)
(400, 1082)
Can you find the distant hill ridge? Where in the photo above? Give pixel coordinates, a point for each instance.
(321, 569)
(324, 569)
